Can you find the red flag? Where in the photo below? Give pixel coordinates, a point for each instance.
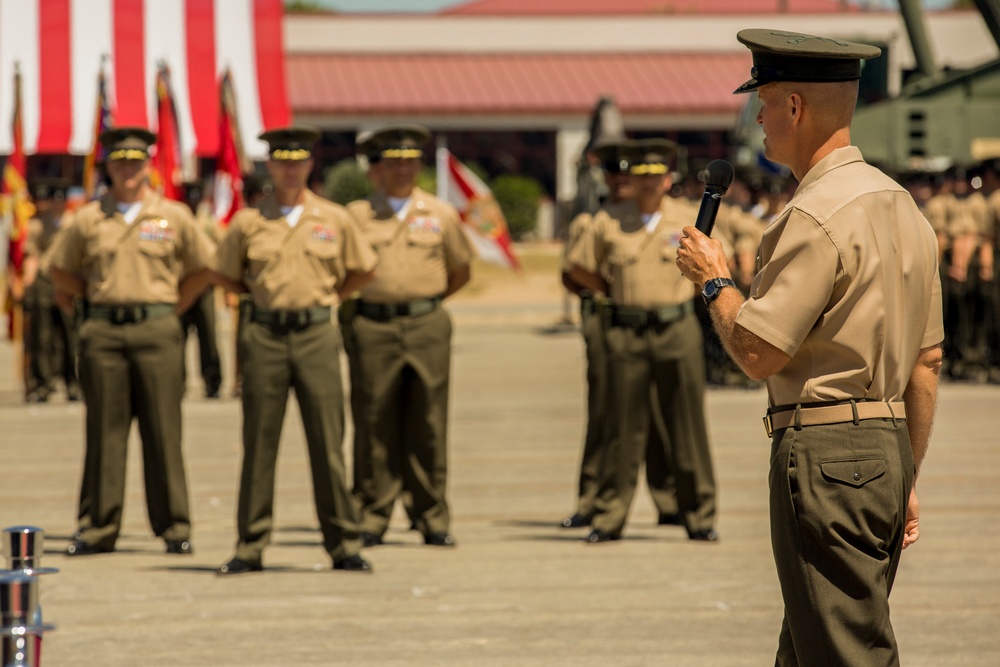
(167, 175)
(14, 189)
(484, 221)
(228, 190)
(103, 119)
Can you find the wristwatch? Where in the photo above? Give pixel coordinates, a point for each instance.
(713, 287)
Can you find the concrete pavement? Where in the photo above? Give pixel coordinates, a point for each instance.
(518, 590)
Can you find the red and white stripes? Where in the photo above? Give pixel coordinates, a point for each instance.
(59, 46)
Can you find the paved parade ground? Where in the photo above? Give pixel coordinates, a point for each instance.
(518, 590)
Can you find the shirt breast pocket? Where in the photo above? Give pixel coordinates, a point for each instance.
(326, 253)
(429, 242)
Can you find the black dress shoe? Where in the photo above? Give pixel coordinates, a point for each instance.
(179, 547)
(353, 564)
(439, 540)
(576, 521)
(707, 535)
(675, 519)
(72, 393)
(597, 536)
(370, 540)
(81, 548)
(240, 566)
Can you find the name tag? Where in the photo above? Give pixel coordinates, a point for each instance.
(323, 234)
(424, 224)
(158, 230)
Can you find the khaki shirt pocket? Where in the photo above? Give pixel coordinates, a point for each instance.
(853, 471)
(257, 261)
(431, 243)
(326, 254)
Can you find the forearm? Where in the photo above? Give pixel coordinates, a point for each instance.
(191, 287)
(588, 280)
(457, 279)
(69, 283)
(353, 282)
(755, 356)
(921, 398)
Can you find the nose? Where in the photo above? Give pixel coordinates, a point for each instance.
(760, 117)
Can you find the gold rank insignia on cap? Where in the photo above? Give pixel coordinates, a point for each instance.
(652, 157)
(290, 143)
(400, 141)
(127, 143)
(779, 55)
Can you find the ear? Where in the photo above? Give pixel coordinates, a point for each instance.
(795, 107)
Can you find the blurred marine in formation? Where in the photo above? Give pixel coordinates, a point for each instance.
(298, 255)
(402, 342)
(136, 258)
(653, 340)
(50, 340)
(615, 157)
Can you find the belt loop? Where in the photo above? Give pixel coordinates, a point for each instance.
(854, 409)
(798, 417)
(892, 412)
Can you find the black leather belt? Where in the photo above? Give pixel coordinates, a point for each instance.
(640, 318)
(282, 321)
(127, 313)
(387, 311)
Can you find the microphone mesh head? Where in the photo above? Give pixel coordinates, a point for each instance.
(719, 174)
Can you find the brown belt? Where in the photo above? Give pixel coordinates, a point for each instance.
(833, 414)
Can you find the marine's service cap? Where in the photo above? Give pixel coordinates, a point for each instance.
(44, 189)
(652, 156)
(779, 55)
(290, 143)
(127, 143)
(615, 155)
(401, 141)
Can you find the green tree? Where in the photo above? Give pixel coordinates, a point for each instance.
(518, 197)
(345, 182)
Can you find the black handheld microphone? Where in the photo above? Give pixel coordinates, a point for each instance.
(719, 176)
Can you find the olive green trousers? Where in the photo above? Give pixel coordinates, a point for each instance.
(838, 496)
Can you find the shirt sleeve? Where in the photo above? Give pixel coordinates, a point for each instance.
(588, 250)
(68, 249)
(196, 248)
(458, 250)
(794, 286)
(230, 255)
(359, 256)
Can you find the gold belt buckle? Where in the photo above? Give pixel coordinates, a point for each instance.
(767, 425)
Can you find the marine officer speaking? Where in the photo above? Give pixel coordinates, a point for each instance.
(843, 321)
(296, 253)
(402, 341)
(136, 257)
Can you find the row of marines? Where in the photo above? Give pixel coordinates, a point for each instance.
(135, 259)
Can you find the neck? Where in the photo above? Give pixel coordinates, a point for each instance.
(290, 197)
(399, 191)
(128, 195)
(649, 203)
(812, 154)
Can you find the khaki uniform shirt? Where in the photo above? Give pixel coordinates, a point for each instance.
(937, 209)
(296, 267)
(962, 218)
(415, 255)
(847, 285)
(142, 262)
(742, 231)
(992, 230)
(640, 264)
(41, 236)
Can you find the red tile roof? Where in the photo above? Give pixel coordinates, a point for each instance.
(604, 7)
(506, 84)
